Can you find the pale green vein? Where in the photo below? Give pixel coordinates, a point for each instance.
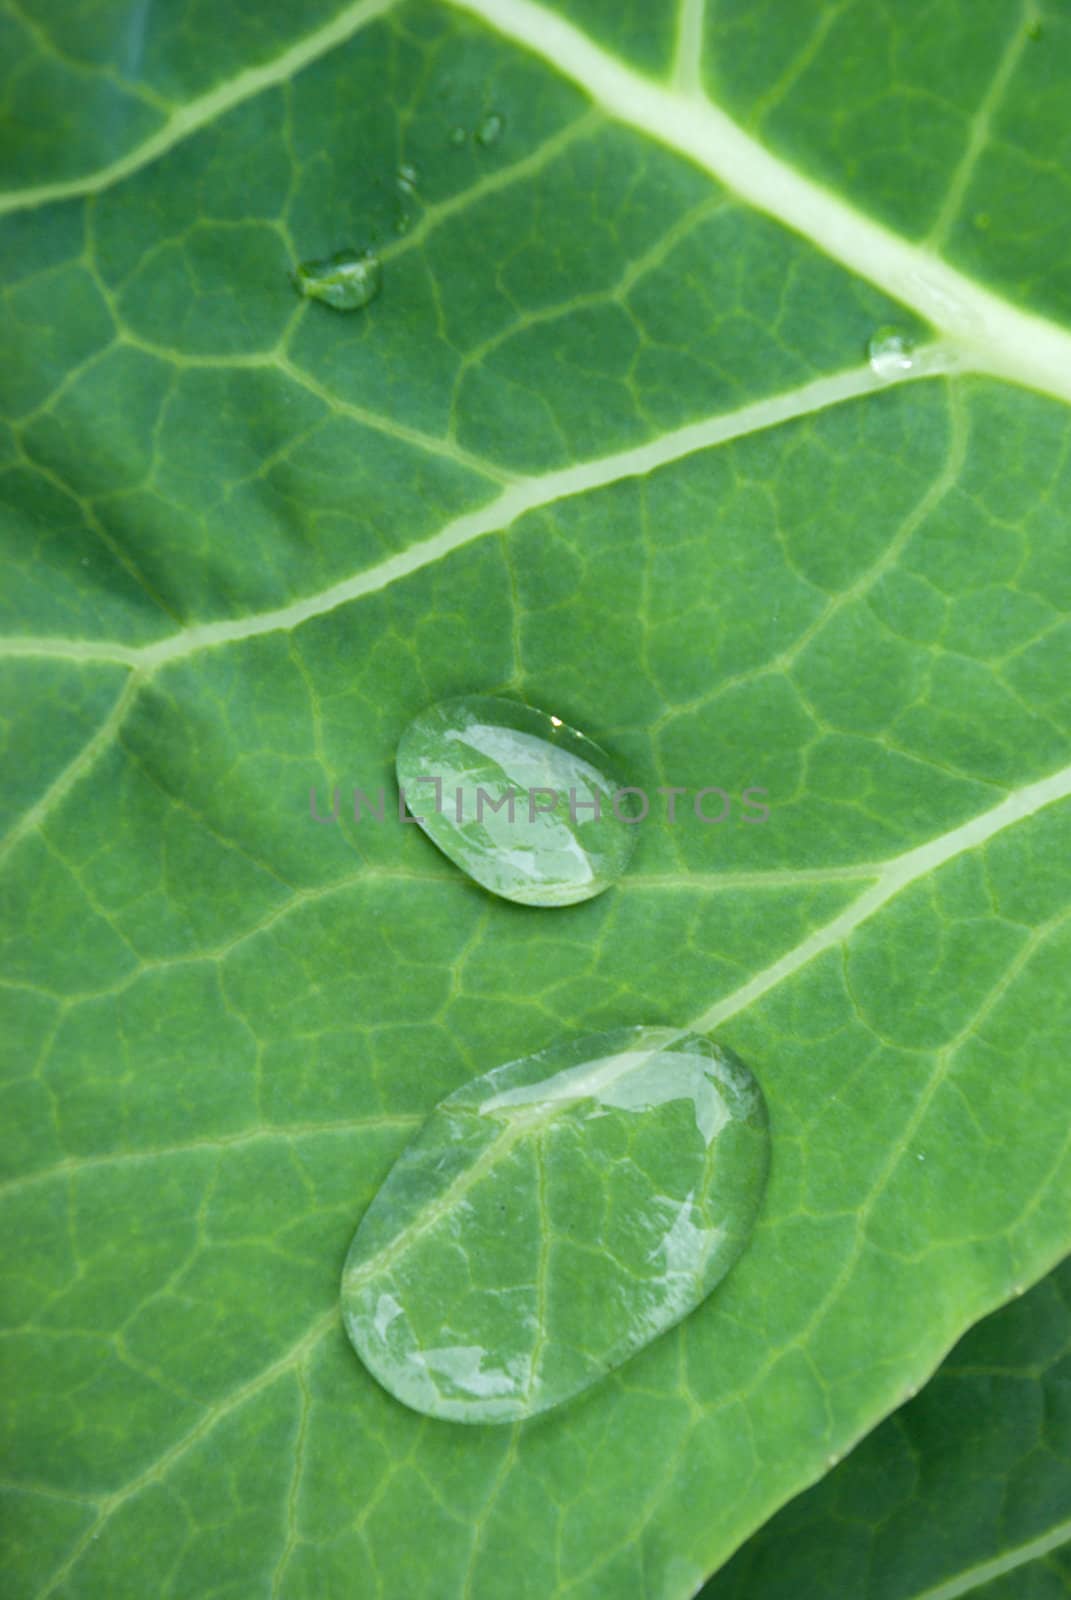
(206, 108)
(483, 1517)
(775, 878)
(214, 1414)
(444, 448)
(688, 62)
(993, 335)
(515, 501)
(895, 877)
(34, 818)
(982, 123)
(223, 1144)
(801, 61)
(491, 183)
(987, 1571)
(291, 1538)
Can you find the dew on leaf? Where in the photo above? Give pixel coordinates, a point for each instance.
(891, 353)
(526, 805)
(458, 136)
(631, 1166)
(408, 177)
(1034, 29)
(346, 281)
(490, 129)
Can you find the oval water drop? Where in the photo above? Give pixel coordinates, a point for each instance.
(527, 806)
(891, 353)
(345, 282)
(408, 177)
(554, 1216)
(490, 129)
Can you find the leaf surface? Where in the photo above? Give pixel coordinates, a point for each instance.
(606, 439)
(966, 1490)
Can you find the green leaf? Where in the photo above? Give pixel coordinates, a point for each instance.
(606, 440)
(964, 1491)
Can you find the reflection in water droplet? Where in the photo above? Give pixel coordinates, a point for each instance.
(346, 281)
(891, 353)
(490, 129)
(553, 1217)
(521, 802)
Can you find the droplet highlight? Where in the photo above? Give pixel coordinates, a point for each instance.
(490, 129)
(891, 353)
(527, 806)
(345, 282)
(552, 1218)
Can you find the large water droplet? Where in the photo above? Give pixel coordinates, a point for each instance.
(553, 1217)
(891, 352)
(490, 129)
(346, 281)
(524, 804)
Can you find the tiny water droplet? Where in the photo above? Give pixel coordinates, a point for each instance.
(524, 804)
(490, 129)
(1034, 29)
(891, 353)
(458, 136)
(402, 222)
(983, 220)
(346, 281)
(631, 1164)
(408, 176)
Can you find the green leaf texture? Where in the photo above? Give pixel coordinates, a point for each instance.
(607, 439)
(965, 1491)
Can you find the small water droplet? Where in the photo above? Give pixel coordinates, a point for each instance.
(523, 803)
(1034, 28)
(490, 129)
(346, 281)
(408, 176)
(402, 222)
(458, 136)
(463, 1314)
(983, 220)
(891, 353)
